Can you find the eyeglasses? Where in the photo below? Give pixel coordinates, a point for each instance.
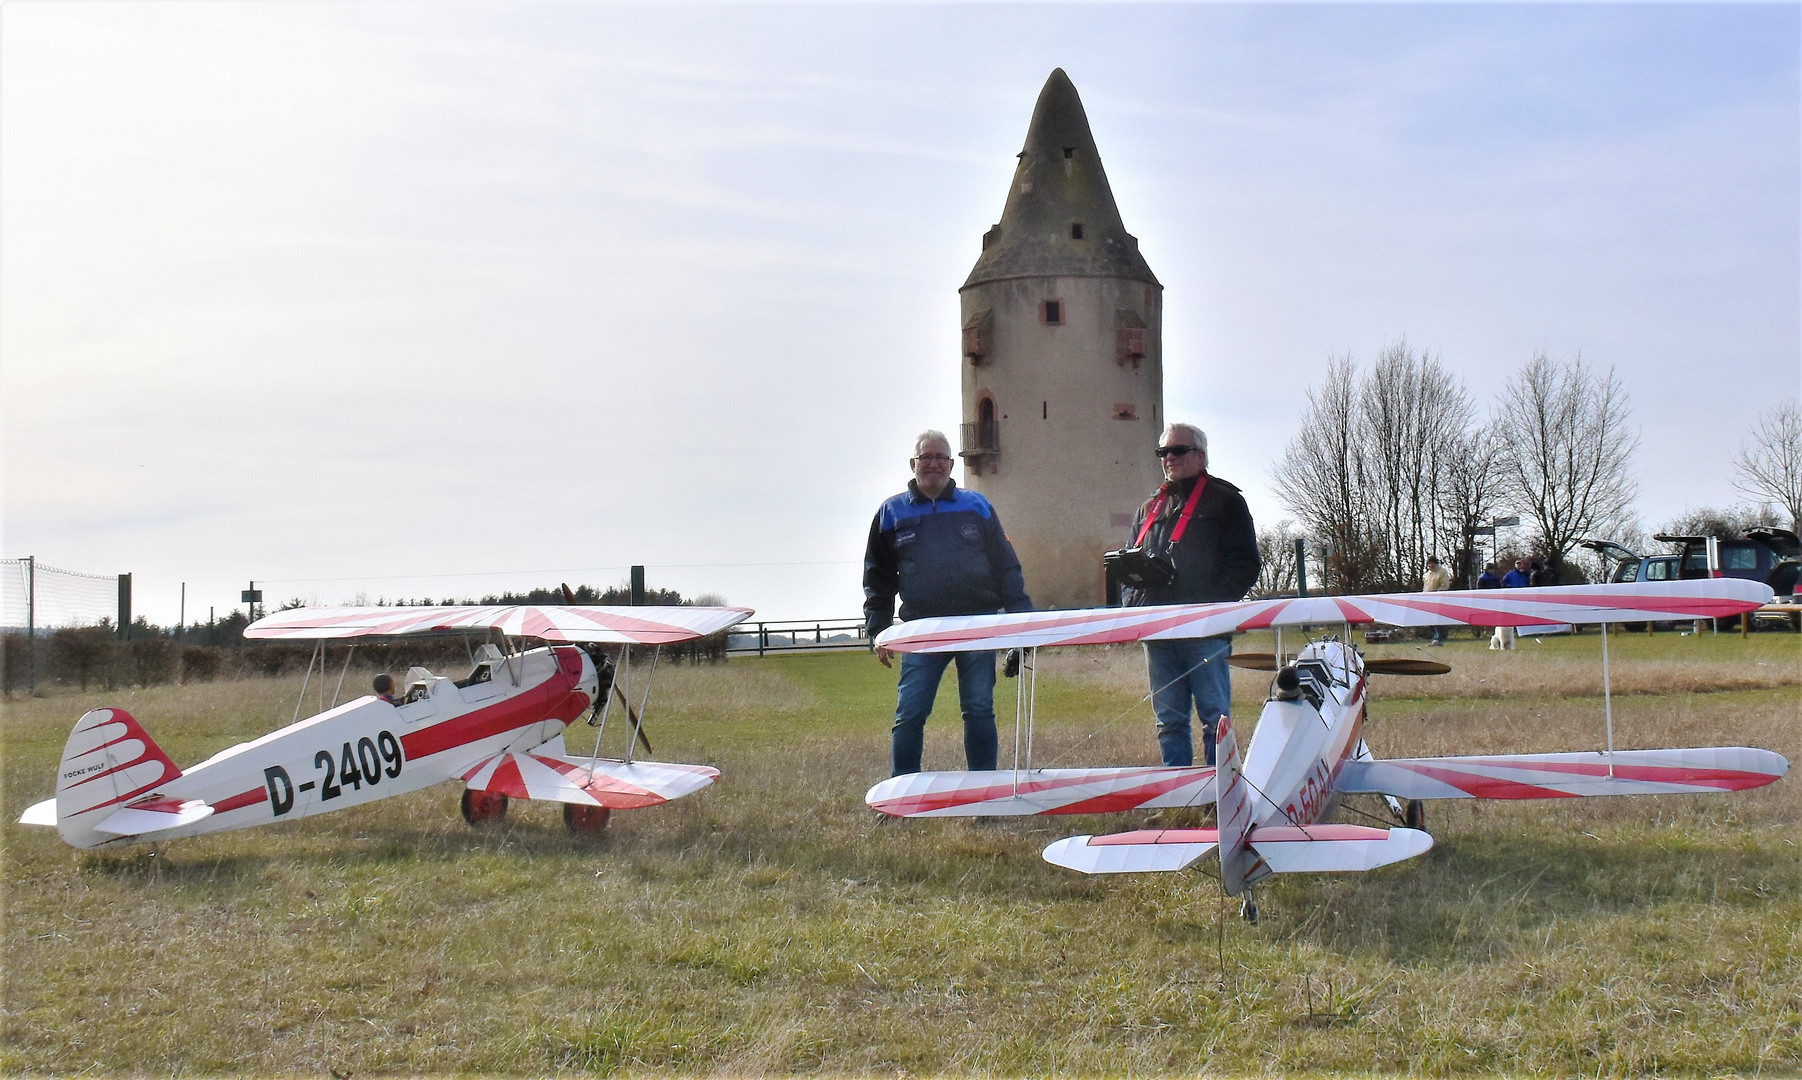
(1177, 451)
(933, 457)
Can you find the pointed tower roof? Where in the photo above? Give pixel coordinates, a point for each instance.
(1060, 184)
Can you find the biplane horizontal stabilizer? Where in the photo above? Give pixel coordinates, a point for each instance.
(158, 815)
(618, 785)
(1285, 849)
(1017, 793)
(1145, 851)
(1697, 769)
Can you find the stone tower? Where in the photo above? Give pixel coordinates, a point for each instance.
(1063, 382)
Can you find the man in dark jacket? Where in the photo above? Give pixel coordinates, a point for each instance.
(1203, 524)
(942, 549)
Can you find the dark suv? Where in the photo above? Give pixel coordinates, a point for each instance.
(1770, 555)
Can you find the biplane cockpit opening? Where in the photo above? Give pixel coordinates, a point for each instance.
(486, 658)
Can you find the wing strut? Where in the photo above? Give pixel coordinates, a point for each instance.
(643, 700)
(348, 653)
(316, 656)
(1026, 703)
(1607, 702)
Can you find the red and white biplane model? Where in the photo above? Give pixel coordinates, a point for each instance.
(499, 730)
(1276, 801)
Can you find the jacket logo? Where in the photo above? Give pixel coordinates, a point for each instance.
(905, 537)
(970, 530)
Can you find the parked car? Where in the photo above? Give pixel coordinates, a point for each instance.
(1770, 555)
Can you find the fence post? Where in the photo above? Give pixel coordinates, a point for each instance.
(31, 621)
(763, 637)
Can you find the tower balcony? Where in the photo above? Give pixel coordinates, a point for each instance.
(981, 439)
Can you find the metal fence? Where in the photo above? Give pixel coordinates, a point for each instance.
(796, 635)
(46, 598)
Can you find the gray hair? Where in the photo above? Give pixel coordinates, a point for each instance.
(929, 435)
(1196, 435)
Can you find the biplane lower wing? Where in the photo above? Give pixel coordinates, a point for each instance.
(1285, 849)
(1024, 792)
(1566, 776)
(618, 785)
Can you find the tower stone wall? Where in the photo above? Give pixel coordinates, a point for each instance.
(1063, 361)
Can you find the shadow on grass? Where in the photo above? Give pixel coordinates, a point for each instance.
(1475, 895)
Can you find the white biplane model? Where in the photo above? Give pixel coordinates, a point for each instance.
(499, 730)
(1276, 802)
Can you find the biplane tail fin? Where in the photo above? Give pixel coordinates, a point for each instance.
(1240, 864)
(106, 786)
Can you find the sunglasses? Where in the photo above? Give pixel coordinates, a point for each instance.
(1176, 451)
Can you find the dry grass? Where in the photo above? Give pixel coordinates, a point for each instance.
(773, 925)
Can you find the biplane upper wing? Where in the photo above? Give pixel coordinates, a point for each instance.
(1009, 793)
(1627, 602)
(1565, 776)
(608, 625)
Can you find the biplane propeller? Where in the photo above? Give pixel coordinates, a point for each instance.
(498, 730)
(1276, 801)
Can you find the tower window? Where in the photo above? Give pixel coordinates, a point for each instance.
(1051, 312)
(1069, 152)
(1076, 230)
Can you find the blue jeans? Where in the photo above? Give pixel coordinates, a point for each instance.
(1188, 673)
(920, 674)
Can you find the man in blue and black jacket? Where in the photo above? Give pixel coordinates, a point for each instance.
(942, 549)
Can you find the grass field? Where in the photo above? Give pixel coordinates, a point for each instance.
(774, 925)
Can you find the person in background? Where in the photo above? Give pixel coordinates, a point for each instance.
(1541, 574)
(1489, 579)
(1517, 578)
(1202, 523)
(941, 549)
(1436, 579)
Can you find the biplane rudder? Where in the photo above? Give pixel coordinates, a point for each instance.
(108, 761)
(1240, 866)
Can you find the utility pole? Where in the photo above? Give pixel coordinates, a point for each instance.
(638, 586)
(1301, 567)
(124, 607)
(181, 621)
(31, 619)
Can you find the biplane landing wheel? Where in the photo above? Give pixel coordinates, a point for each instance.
(1248, 910)
(483, 807)
(1415, 816)
(585, 820)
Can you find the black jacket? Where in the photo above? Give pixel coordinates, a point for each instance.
(1217, 558)
(944, 556)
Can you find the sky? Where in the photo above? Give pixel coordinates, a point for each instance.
(435, 300)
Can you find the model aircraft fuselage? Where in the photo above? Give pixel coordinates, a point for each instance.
(499, 731)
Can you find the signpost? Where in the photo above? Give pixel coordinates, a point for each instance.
(251, 596)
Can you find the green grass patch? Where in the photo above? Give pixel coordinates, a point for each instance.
(773, 924)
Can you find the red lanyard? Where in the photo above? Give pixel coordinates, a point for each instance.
(1182, 523)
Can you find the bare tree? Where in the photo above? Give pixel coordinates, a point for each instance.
(1365, 474)
(1568, 451)
(1276, 560)
(1411, 410)
(1770, 467)
(1470, 493)
(1322, 478)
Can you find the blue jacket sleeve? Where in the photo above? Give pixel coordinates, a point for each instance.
(1004, 567)
(881, 579)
